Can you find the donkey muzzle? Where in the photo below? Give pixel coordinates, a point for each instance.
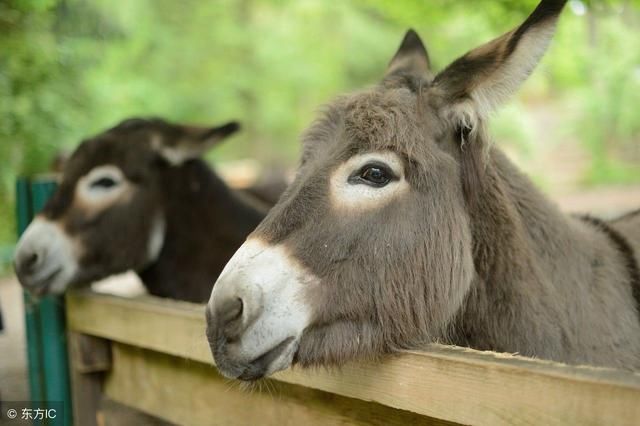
(44, 260)
(256, 313)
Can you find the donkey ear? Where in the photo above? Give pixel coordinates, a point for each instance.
(193, 142)
(208, 137)
(59, 161)
(478, 82)
(411, 58)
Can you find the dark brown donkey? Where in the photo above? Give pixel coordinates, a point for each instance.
(139, 197)
(405, 226)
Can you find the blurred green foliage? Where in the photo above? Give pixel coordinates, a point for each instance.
(70, 68)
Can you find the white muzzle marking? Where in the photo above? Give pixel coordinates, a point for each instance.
(271, 286)
(56, 263)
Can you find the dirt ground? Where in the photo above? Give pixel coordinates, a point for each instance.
(13, 370)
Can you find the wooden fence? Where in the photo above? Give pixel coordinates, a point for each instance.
(151, 354)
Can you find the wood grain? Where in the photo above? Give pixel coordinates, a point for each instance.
(90, 358)
(192, 393)
(448, 383)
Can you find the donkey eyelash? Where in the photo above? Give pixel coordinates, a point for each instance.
(104, 182)
(359, 177)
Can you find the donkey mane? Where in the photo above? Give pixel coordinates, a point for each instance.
(521, 237)
(624, 248)
(377, 119)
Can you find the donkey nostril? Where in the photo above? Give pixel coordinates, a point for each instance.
(233, 311)
(240, 308)
(231, 319)
(27, 263)
(31, 261)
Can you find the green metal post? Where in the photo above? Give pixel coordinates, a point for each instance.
(24, 214)
(23, 204)
(53, 328)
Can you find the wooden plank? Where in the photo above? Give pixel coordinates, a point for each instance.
(91, 354)
(453, 384)
(178, 327)
(90, 359)
(192, 393)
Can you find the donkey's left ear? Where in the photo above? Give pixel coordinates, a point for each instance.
(411, 58)
(193, 142)
(478, 82)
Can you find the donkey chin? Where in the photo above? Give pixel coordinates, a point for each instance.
(251, 333)
(233, 364)
(45, 261)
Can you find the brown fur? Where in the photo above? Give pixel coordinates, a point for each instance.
(472, 255)
(204, 218)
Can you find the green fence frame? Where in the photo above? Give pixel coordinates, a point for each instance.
(45, 318)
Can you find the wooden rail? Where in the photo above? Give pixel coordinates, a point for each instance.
(161, 364)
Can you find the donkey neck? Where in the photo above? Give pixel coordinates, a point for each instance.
(205, 224)
(520, 242)
(510, 218)
(547, 284)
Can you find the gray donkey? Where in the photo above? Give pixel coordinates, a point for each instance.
(138, 196)
(404, 226)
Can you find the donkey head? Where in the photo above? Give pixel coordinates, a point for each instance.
(106, 216)
(370, 250)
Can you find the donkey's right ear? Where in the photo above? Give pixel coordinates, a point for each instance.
(411, 58)
(193, 142)
(208, 137)
(477, 83)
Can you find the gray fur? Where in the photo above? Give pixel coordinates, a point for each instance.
(472, 255)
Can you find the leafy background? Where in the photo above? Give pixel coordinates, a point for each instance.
(70, 68)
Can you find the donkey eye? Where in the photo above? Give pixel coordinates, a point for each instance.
(376, 175)
(103, 182)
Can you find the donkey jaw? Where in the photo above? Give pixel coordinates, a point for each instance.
(45, 260)
(278, 358)
(257, 312)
